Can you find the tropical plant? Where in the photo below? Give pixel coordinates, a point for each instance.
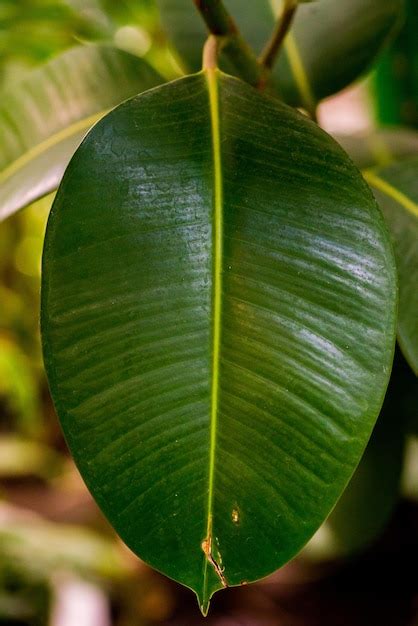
(219, 287)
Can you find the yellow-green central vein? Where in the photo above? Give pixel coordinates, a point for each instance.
(217, 227)
(389, 190)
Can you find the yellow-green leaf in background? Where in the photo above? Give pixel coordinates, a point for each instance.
(396, 189)
(44, 117)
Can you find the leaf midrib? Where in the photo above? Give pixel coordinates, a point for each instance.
(217, 236)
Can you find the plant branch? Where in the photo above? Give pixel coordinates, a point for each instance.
(211, 52)
(283, 24)
(221, 24)
(217, 18)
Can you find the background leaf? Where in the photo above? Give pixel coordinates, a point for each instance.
(396, 78)
(330, 45)
(396, 189)
(218, 318)
(35, 546)
(33, 30)
(367, 505)
(380, 147)
(44, 117)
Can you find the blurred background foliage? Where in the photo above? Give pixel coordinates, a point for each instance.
(396, 78)
(60, 563)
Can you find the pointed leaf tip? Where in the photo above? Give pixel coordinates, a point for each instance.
(204, 607)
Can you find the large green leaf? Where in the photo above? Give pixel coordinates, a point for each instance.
(44, 117)
(218, 320)
(331, 43)
(396, 189)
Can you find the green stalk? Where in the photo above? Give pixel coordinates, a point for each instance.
(221, 24)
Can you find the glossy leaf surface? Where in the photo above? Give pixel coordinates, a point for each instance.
(396, 189)
(331, 43)
(44, 117)
(218, 320)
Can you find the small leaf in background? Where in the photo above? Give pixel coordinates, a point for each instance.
(331, 43)
(396, 189)
(380, 147)
(24, 458)
(91, 12)
(367, 505)
(67, 95)
(218, 320)
(396, 76)
(131, 12)
(42, 548)
(33, 30)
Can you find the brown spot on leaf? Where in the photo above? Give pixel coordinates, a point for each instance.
(207, 547)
